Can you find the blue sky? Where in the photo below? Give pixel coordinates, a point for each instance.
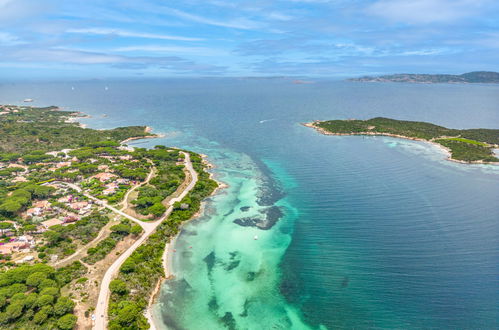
(326, 38)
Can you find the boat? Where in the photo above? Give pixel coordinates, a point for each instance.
(28, 100)
(256, 237)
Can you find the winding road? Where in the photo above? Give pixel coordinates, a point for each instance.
(149, 228)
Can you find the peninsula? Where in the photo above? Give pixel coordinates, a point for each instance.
(483, 77)
(85, 219)
(464, 145)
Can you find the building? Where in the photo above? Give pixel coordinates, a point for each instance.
(50, 223)
(104, 176)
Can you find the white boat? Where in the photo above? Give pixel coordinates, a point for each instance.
(256, 237)
(28, 100)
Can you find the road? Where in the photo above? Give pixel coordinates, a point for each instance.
(149, 228)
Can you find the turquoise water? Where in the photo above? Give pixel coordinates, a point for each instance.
(374, 233)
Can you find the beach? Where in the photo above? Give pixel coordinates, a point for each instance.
(444, 149)
(169, 251)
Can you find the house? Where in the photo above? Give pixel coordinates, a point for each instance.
(103, 167)
(79, 205)
(63, 164)
(19, 179)
(65, 199)
(71, 218)
(110, 189)
(34, 211)
(104, 176)
(42, 204)
(12, 247)
(50, 223)
(12, 165)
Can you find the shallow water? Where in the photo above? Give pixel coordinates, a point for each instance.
(376, 232)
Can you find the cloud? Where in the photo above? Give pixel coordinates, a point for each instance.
(173, 49)
(238, 23)
(84, 57)
(130, 34)
(7, 39)
(14, 10)
(426, 11)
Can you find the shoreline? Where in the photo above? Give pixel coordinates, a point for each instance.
(441, 147)
(167, 257)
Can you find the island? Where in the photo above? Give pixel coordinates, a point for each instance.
(85, 219)
(464, 145)
(483, 77)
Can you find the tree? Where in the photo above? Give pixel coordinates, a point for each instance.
(4, 226)
(42, 191)
(30, 300)
(29, 228)
(63, 306)
(50, 291)
(128, 314)
(157, 209)
(35, 279)
(44, 300)
(121, 229)
(118, 286)
(14, 310)
(40, 317)
(128, 266)
(10, 207)
(67, 322)
(47, 283)
(136, 230)
(52, 237)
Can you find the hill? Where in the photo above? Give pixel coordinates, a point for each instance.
(483, 77)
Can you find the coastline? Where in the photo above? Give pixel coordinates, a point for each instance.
(167, 257)
(441, 147)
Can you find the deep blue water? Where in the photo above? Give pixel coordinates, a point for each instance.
(385, 233)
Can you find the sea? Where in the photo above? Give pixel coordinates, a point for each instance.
(315, 231)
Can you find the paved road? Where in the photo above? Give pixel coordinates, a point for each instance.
(149, 228)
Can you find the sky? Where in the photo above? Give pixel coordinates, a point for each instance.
(208, 38)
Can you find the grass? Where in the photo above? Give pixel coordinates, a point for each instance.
(478, 143)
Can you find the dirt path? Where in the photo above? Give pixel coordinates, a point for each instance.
(80, 253)
(149, 228)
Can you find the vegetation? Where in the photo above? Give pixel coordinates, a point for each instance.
(468, 145)
(118, 232)
(35, 196)
(30, 297)
(169, 176)
(470, 77)
(61, 240)
(140, 272)
(46, 129)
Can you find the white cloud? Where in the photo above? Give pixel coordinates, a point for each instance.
(7, 39)
(425, 11)
(130, 34)
(239, 23)
(201, 51)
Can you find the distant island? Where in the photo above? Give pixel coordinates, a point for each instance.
(483, 77)
(465, 146)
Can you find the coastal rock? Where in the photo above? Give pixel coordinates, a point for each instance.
(269, 218)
